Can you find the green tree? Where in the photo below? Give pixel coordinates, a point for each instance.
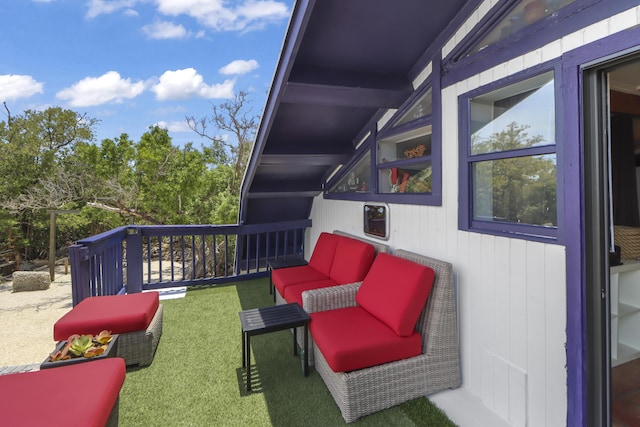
(234, 128)
(35, 169)
(519, 189)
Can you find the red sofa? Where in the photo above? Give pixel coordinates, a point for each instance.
(336, 260)
(383, 341)
(85, 394)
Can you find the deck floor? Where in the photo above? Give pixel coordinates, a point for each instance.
(625, 402)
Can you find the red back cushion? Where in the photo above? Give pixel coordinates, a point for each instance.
(323, 253)
(395, 291)
(353, 260)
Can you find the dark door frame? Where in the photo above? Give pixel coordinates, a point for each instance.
(583, 168)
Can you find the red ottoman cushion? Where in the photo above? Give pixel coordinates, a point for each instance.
(74, 395)
(350, 339)
(118, 314)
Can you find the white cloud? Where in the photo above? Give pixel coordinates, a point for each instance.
(14, 87)
(165, 30)
(214, 14)
(239, 66)
(99, 7)
(174, 126)
(187, 83)
(109, 87)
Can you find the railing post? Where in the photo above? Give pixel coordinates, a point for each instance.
(80, 277)
(134, 260)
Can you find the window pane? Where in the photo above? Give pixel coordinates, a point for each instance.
(358, 180)
(516, 190)
(421, 108)
(415, 178)
(406, 146)
(524, 14)
(518, 116)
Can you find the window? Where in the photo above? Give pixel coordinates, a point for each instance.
(376, 220)
(405, 162)
(524, 13)
(509, 159)
(399, 159)
(357, 179)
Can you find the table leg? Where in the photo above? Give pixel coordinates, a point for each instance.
(295, 342)
(270, 282)
(248, 363)
(306, 349)
(244, 351)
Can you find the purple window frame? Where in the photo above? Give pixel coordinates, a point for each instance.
(435, 120)
(466, 220)
(573, 18)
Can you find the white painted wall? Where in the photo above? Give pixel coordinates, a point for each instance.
(511, 293)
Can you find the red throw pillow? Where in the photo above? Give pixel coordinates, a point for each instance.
(395, 291)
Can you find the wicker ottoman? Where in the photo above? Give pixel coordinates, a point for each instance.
(137, 318)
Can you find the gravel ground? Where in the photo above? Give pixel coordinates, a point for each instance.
(27, 318)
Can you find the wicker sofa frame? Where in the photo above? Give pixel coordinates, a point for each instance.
(369, 390)
(139, 347)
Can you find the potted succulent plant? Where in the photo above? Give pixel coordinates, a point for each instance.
(81, 347)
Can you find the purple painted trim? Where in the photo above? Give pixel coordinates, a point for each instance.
(573, 155)
(299, 21)
(538, 35)
(435, 49)
(435, 197)
(465, 218)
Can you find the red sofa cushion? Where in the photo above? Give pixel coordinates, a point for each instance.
(352, 261)
(116, 313)
(293, 293)
(74, 395)
(395, 291)
(351, 338)
(285, 277)
(323, 253)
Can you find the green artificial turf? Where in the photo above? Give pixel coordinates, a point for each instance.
(196, 377)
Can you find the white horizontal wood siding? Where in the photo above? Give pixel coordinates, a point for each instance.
(511, 293)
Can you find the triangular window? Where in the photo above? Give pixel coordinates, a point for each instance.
(421, 108)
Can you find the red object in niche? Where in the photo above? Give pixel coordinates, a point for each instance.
(533, 11)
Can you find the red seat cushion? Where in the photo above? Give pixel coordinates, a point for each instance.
(352, 260)
(284, 277)
(293, 293)
(324, 252)
(81, 394)
(350, 339)
(116, 313)
(395, 291)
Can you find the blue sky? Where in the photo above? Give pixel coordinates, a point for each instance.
(135, 63)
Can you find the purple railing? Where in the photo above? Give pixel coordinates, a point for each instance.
(135, 258)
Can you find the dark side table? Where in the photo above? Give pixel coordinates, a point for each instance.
(270, 319)
(275, 264)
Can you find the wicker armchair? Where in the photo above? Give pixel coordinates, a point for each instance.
(369, 390)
